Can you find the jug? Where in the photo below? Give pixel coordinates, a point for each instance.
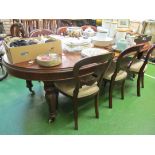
(122, 44)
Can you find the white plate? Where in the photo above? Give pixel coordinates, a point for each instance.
(88, 52)
(76, 42)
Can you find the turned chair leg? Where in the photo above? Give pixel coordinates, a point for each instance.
(122, 89)
(29, 85)
(57, 97)
(110, 93)
(75, 110)
(142, 80)
(104, 84)
(96, 106)
(138, 85)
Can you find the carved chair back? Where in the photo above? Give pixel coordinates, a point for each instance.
(122, 63)
(86, 26)
(17, 30)
(148, 53)
(96, 67)
(62, 31)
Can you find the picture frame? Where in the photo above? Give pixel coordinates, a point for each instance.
(123, 23)
(135, 26)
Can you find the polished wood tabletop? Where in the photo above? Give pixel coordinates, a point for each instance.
(32, 71)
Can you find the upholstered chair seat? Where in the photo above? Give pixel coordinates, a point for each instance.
(67, 87)
(119, 68)
(120, 75)
(87, 78)
(136, 66)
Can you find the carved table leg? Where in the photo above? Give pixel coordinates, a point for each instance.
(29, 85)
(50, 95)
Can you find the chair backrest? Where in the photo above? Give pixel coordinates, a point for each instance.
(62, 30)
(96, 67)
(86, 26)
(39, 32)
(148, 53)
(142, 39)
(130, 53)
(17, 30)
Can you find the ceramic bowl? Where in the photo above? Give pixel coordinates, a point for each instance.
(48, 60)
(102, 42)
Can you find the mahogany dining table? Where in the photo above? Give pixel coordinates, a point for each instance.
(32, 71)
(48, 75)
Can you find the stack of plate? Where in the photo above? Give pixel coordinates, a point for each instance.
(102, 42)
(75, 44)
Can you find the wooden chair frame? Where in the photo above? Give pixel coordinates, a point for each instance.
(88, 77)
(132, 50)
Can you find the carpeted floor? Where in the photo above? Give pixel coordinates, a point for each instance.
(21, 113)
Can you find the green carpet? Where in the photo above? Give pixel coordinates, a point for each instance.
(21, 113)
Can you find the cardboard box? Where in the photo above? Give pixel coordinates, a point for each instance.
(30, 52)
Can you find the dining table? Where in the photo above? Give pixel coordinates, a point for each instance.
(31, 71)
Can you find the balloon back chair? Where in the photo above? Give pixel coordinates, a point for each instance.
(118, 70)
(88, 74)
(139, 67)
(17, 30)
(62, 31)
(86, 26)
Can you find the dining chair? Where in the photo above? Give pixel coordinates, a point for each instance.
(86, 26)
(62, 31)
(143, 39)
(85, 82)
(118, 70)
(17, 30)
(39, 32)
(139, 67)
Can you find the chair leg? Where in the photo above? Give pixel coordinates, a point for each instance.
(57, 96)
(122, 89)
(104, 84)
(110, 93)
(75, 109)
(29, 85)
(133, 75)
(138, 85)
(142, 80)
(96, 106)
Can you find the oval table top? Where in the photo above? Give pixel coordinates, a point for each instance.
(32, 71)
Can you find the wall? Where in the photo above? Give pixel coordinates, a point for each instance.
(7, 23)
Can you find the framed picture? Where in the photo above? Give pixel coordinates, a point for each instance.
(135, 26)
(123, 23)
